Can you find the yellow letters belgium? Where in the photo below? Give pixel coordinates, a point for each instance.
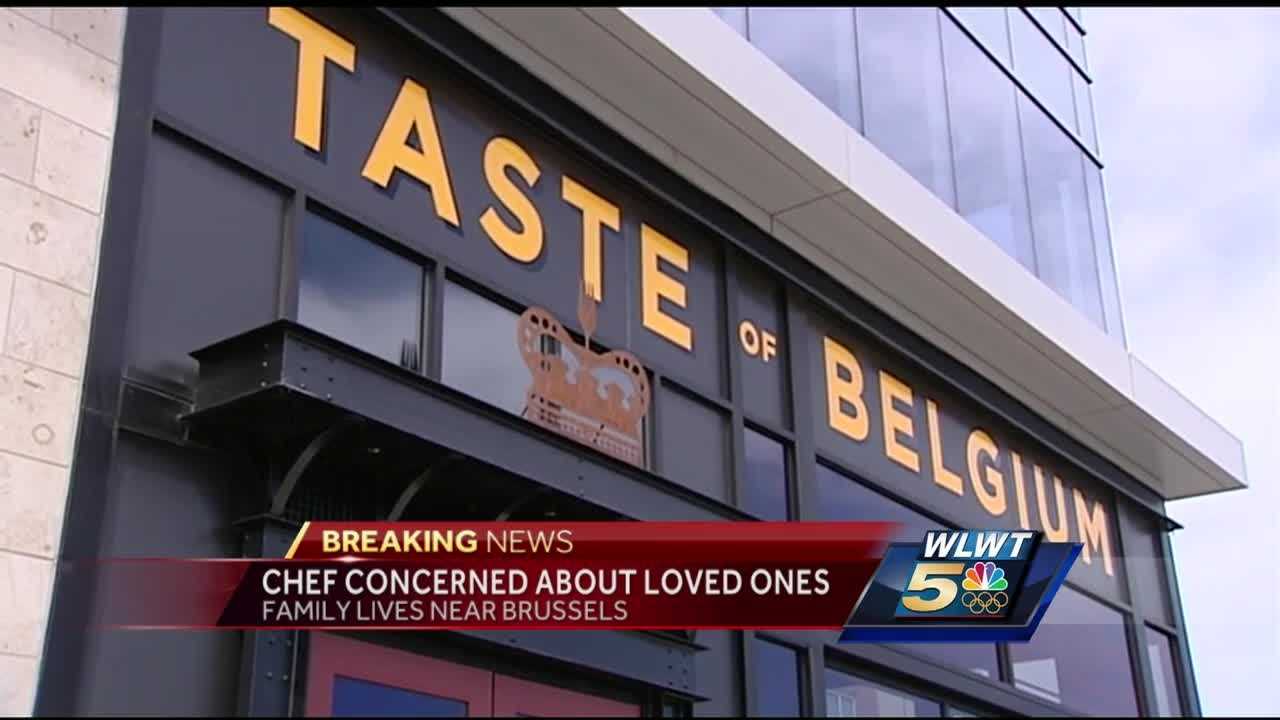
(988, 465)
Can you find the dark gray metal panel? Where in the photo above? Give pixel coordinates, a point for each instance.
(214, 106)
(175, 501)
(764, 380)
(869, 460)
(209, 253)
(420, 407)
(268, 658)
(641, 657)
(207, 97)
(695, 443)
(719, 674)
(333, 379)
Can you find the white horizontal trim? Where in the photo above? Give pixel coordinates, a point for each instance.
(684, 85)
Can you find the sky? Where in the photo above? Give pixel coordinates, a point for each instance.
(1188, 109)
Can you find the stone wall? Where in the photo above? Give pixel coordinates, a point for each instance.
(59, 80)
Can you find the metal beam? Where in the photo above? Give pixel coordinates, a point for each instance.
(309, 453)
(414, 487)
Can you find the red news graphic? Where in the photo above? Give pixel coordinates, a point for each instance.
(619, 575)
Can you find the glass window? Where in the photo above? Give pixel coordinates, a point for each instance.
(359, 292)
(1075, 46)
(775, 677)
(735, 16)
(1144, 556)
(1060, 221)
(1107, 279)
(989, 25)
(1052, 20)
(1042, 68)
(361, 698)
(764, 482)
(1079, 657)
(480, 355)
(840, 498)
(904, 104)
(694, 442)
(1163, 674)
(991, 190)
(1083, 92)
(815, 46)
(850, 696)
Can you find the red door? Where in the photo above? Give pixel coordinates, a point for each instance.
(353, 678)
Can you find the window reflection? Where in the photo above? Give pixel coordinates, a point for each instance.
(882, 69)
(1075, 46)
(1052, 20)
(903, 101)
(1044, 70)
(480, 356)
(1079, 657)
(851, 696)
(764, 484)
(1164, 678)
(990, 182)
(1106, 255)
(1083, 92)
(361, 698)
(989, 26)
(815, 46)
(1060, 221)
(359, 292)
(775, 676)
(841, 498)
(694, 443)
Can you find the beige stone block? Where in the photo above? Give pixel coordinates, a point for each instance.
(48, 325)
(71, 162)
(25, 587)
(42, 15)
(19, 129)
(54, 72)
(17, 685)
(32, 497)
(37, 411)
(99, 29)
(6, 294)
(47, 237)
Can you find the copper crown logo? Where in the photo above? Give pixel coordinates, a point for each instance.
(595, 398)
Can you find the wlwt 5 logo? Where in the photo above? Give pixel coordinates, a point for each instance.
(974, 558)
(961, 586)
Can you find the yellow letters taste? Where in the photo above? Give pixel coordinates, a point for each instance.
(509, 170)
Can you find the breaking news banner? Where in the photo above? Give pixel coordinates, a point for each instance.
(954, 586)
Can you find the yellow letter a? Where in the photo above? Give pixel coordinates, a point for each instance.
(412, 111)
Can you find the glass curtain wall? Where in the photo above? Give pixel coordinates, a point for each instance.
(989, 108)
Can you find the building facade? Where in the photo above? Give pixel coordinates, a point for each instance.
(360, 264)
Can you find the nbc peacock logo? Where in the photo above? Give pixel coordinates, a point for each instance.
(984, 586)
